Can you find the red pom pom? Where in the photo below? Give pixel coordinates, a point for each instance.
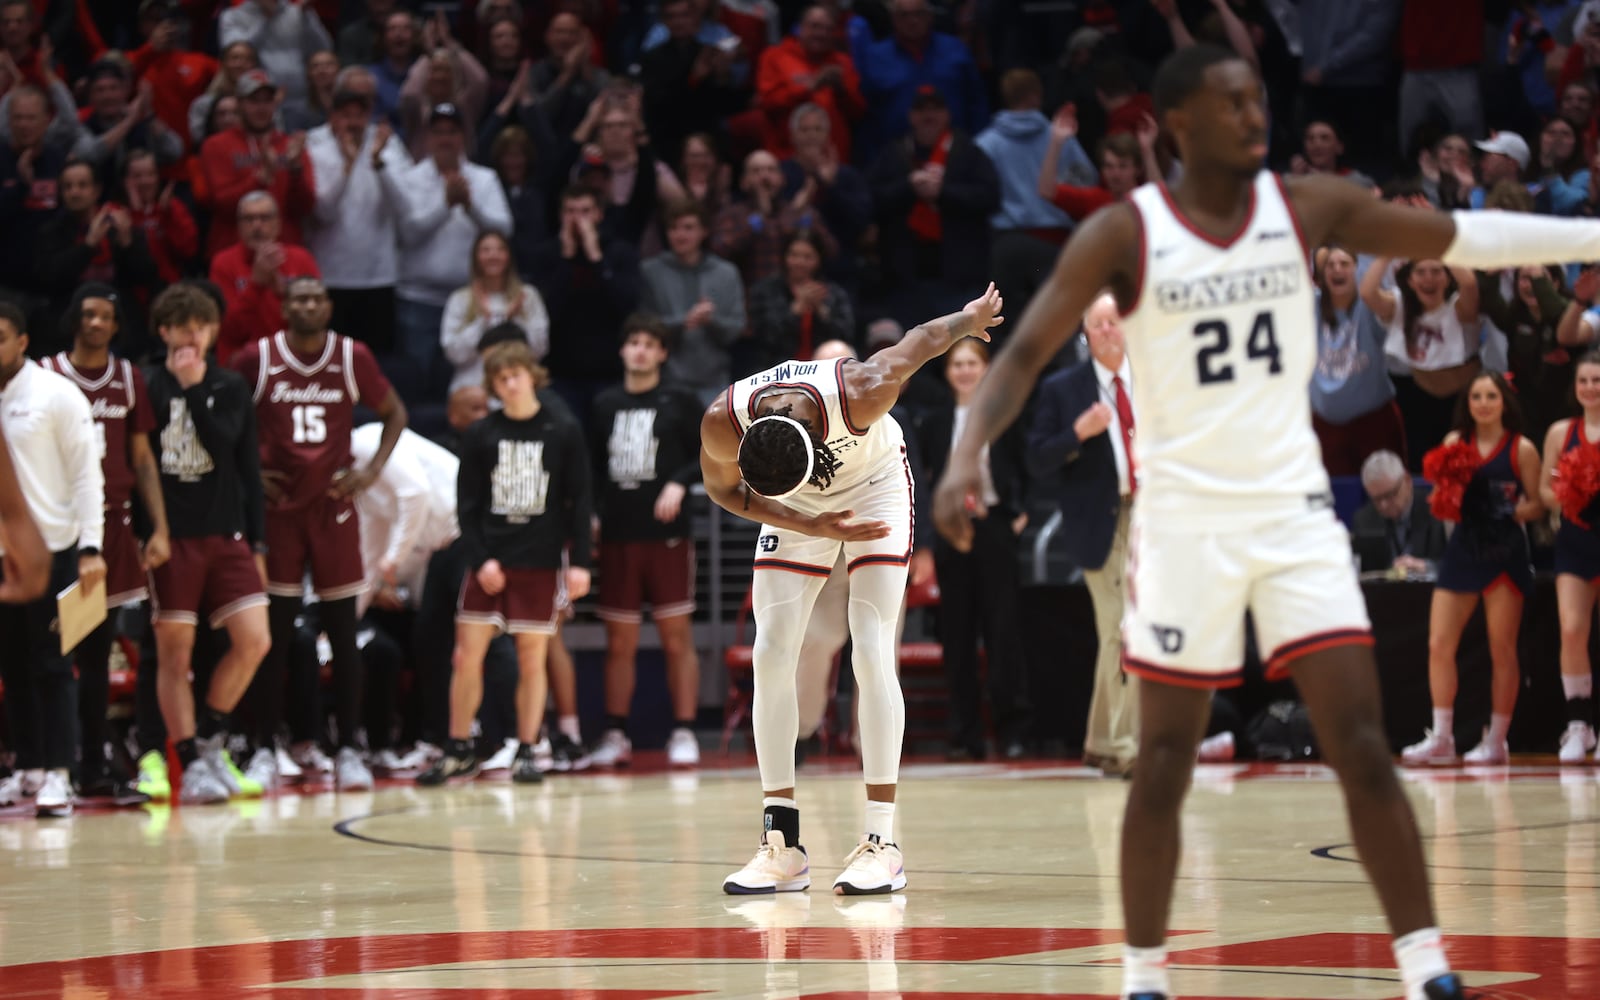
(1576, 481)
(1449, 468)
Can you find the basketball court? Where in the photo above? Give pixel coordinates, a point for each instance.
(607, 887)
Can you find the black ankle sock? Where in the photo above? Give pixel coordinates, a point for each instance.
(461, 748)
(209, 722)
(684, 724)
(187, 752)
(785, 820)
(1580, 710)
(617, 722)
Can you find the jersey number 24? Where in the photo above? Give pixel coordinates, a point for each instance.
(1211, 361)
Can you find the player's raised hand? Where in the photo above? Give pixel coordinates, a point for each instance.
(837, 524)
(985, 312)
(957, 500)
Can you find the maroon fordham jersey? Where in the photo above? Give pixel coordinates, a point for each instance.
(121, 408)
(305, 408)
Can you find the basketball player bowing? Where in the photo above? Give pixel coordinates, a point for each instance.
(123, 421)
(1234, 509)
(808, 449)
(306, 382)
(205, 438)
(523, 501)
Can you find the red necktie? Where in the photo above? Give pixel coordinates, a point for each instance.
(1125, 420)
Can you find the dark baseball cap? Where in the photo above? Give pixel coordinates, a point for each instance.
(447, 112)
(928, 96)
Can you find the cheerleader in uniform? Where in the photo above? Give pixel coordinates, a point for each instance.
(1486, 557)
(1572, 446)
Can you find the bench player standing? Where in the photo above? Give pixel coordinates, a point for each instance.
(123, 420)
(645, 463)
(1213, 279)
(205, 439)
(306, 381)
(522, 501)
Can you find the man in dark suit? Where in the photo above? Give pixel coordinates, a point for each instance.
(1395, 528)
(1080, 439)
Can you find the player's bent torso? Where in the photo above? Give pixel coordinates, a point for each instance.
(1222, 344)
(865, 454)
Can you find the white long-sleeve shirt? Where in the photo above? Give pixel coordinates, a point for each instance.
(283, 41)
(459, 336)
(436, 237)
(352, 232)
(55, 445)
(409, 512)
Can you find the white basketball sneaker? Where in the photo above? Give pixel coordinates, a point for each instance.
(1577, 741)
(871, 869)
(683, 749)
(1488, 751)
(1435, 748)
(777, 867)
(615, 750)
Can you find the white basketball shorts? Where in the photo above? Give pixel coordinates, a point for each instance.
(1188, 592)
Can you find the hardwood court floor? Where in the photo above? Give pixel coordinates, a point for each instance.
(606, 887)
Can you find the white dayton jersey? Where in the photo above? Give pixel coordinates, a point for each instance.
(1234, 511)
(1222, 344)
(867, 456)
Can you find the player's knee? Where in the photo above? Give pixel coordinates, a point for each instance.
(1360, 755)
(463, 662)
(1443, 645)
(253, 643)
(1575, 634)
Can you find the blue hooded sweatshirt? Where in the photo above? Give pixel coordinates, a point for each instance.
(1016, 142)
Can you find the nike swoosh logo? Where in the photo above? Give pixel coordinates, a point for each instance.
(341, 517)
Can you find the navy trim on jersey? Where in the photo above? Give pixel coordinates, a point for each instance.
(1220, 244)
(804, 569)
(733, 415)
(1288, 206)
(1278, 662)
(1144, 248)
(844, 398)
(810, 390)
(1182, 678)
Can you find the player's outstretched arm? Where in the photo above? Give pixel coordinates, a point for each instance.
(1103, 252)
(1332, 210)
(874, 385)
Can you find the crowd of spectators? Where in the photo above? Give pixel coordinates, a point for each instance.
(764, 177)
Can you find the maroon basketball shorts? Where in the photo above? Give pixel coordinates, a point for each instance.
(324, 536)
(125, 579)
(631, 573)
(214, 573)
(527, 605)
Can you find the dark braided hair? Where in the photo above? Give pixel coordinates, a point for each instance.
(772, 459)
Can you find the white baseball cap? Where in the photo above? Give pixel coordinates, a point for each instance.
(1507, 144)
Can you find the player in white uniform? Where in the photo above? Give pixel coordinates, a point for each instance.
(1233, 511)
(808, 449)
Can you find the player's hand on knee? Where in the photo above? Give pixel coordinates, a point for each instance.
(837, 524)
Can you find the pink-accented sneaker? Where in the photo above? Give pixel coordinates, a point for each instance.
(777, 867)
(872, 869)
(1576, 742)
(1435, 748)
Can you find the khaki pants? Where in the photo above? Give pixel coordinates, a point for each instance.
(1113, 729)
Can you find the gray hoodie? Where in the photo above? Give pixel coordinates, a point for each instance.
(699, 357)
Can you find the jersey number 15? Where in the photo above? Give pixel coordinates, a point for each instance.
(1211, 361)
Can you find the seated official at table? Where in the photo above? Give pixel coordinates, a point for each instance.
(1395, 528)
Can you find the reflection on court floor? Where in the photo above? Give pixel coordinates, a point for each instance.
(606, 887)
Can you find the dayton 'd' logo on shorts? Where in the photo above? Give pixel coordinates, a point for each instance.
(1169, 639)
(768, 543)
